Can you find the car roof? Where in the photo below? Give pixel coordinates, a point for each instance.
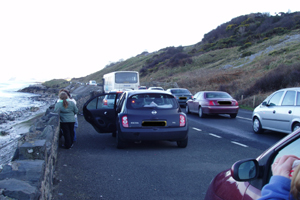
(132, 92)
(177, 89)
(291, 88)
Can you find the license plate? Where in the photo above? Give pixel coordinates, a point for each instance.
(154, 123)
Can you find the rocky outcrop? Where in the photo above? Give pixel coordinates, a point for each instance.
(30, 174)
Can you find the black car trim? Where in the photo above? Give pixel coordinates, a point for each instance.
(154, 123)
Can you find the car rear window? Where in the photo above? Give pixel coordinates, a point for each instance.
(146, 101)
(180, 91)
(217, 95)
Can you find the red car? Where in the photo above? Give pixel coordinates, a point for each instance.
(212, 102)
(247, 177)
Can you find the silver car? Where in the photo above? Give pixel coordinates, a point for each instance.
(278, 112)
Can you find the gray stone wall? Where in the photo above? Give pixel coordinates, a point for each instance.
(30, 174)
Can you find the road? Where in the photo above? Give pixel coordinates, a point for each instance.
(95, 169)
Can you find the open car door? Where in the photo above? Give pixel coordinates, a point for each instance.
(100, 115)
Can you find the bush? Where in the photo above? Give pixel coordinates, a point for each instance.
(282, 77)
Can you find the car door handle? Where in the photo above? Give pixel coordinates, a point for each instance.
(105, 113)
(274, 111)
(290, 112)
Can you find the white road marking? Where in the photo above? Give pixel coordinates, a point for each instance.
(244, 118)
(197, 129)
(217, 136)
(243, 145)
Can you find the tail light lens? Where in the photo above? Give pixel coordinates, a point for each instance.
(235, 103)
(105, 102)
(125, 121)
(182, 120)
(211, 103)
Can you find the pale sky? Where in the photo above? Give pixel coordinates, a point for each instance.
(70, 38)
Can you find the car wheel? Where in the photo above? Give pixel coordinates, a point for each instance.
(120, 142)
(233, 115)
(182, 143)
(296, 126)
(201, 114)
(187, 110)
(257, 126)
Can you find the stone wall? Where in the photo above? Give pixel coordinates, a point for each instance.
(30, 174)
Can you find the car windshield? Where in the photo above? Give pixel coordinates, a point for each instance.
(217, 95)
(144, 101)
(180, 91)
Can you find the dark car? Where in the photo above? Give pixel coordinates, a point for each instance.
(109, 99)
(212, 102)
(139, 115)
(181, 94)
(247, 177)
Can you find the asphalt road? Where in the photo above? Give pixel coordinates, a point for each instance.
(95, 169)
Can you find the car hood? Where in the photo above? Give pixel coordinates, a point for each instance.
(223, 183)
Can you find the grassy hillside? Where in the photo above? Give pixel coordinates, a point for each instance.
(249, 57)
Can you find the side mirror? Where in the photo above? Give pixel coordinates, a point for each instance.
(264, 103)
(245, 170)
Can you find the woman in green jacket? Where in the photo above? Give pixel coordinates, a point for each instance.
(67, 110)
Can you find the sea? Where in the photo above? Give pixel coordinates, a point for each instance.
(11, 101)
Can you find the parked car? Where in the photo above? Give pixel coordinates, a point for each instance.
(247, 177)
(109, 99)
(212, 102)
(278, 112)
(155, 88)
(142, 87)
(92, 82)
(181, 94)
(139, 115)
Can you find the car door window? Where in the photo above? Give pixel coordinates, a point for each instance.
(275, 99)
(96, 103)
(298, 99)
(290, 149)
(289, 98)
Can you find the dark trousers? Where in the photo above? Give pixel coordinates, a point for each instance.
(68, 133)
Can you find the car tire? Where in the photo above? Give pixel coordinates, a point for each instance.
(187, 110)
(120, 142)
(233, 116)
(182, 143)
(200, 112)
(296, 126)
(256, 125)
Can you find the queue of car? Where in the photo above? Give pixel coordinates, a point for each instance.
(154, 114)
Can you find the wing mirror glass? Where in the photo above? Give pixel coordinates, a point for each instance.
(245, 170)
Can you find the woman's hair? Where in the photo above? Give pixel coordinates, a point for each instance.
(295, 185)
(66, 91)
(64, 96)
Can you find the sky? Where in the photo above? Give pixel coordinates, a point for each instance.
(43, 40)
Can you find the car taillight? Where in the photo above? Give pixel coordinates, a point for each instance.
(125, 121)
(105, 102)
(182, 120)
(235, 103)
(211, 103)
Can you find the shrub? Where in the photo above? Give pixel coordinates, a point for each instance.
(281, 77)
(247, 53)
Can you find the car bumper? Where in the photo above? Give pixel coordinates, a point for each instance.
(220, 110)
(151, 134)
